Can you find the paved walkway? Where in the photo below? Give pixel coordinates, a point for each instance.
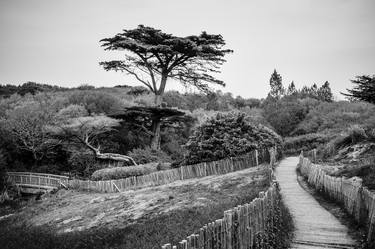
(315, 226)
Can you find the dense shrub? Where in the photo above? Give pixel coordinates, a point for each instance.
(306, 142)
(286, 114)
(82, 163)
(226, 135)
(148, 155)
(96, 102)
(124, 172)
(336, 117)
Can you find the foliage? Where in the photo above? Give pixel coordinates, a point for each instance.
(306, 142)
(291, 89)
(284, 115)
(85, 130)
(82, 163)
(324, 93)
(336, 117)
(160, 56)
(364, 89)
(148, 155)
(27, 126)
(3, 164)
(277, 89)
(227, 135)
(353, 135)
(138, 90)
(71, 111)
(124, 172)
(27, 88)
(85, 87)
(96, 102)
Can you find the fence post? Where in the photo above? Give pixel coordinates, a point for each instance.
(314, 155)
(256, 157)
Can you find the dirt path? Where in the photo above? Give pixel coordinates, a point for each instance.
(315, 226)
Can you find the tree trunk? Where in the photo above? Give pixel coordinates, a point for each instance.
(36, 160)
(159, 93)
(155, 140)
(158, 100)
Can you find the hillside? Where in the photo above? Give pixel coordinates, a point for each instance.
(75, 216)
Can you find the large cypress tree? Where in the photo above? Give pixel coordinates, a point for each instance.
(153, 57)
(364, 89)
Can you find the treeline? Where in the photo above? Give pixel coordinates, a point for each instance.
(52, 129)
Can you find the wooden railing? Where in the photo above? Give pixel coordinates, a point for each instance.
(357, 200)
(37, 180)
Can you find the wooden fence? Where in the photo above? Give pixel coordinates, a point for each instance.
(247, 226)
(223, 166)
(357, 200)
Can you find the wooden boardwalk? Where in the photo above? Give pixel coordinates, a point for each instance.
(315, 226)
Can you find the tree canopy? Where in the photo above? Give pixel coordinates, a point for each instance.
(226, 135)
(364, 89)
(86, 131)
(154, 56)
(277, 89)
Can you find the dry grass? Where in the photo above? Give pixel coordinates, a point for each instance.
(144, 218)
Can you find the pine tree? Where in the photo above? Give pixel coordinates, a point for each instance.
(314, 91)
(291, 89)
(364, 89)
(277, 89)
(324, 92)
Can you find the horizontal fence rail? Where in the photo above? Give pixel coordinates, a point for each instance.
(36, 180)
(245, 226)
(223, 166)
(357, 200)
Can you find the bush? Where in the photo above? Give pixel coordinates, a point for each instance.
(304, 142)
(148, 155)
(228, 135)
(124, 172)
(336, 117)
(96, 102)
(83, 163)
(287, 113)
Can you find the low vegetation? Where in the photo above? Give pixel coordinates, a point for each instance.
(124, 172)
(145, 218)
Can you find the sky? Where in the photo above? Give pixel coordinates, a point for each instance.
(307, 41)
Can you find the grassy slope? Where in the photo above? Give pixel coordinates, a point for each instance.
(144, 218)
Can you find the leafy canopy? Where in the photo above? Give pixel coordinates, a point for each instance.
(159, 55)
(364, 89)
(227, 135)
(277, 89)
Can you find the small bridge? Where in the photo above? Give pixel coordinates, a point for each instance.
(29, 182)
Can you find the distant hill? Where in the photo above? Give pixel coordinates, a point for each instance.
(28, 87)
